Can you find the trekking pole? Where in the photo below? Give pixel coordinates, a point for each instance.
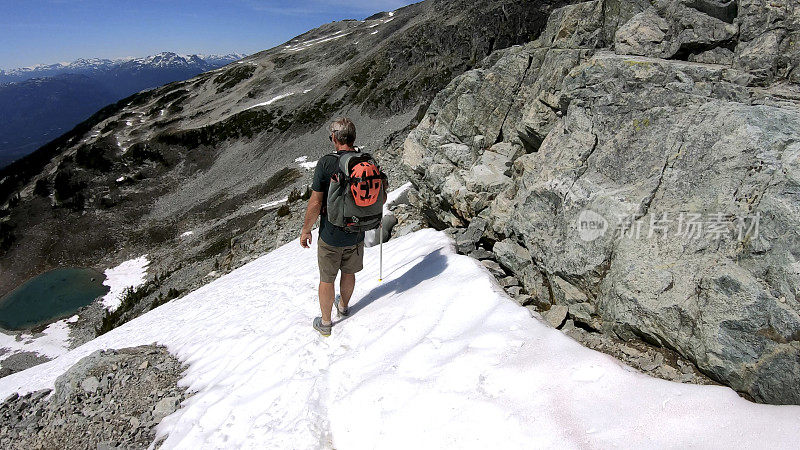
(380, 251)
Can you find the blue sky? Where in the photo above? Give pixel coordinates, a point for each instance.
(49, 31)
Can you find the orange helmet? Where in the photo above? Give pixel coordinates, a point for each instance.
(366, 183)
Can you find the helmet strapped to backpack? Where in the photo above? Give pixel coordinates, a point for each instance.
(356, 193)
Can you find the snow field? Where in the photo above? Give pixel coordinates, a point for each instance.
(436, 356)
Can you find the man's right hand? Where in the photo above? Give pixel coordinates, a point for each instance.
(305, 239)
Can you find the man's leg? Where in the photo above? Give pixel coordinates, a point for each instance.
(352, 262)
(346, 285)
(326, 293)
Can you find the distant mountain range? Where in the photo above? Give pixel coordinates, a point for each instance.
(95, 66)
(38, 104)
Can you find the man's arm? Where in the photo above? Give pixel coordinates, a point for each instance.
(312, 213)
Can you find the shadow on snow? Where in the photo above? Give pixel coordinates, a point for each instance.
(429, 267)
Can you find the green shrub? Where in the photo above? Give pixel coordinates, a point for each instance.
(234, 76)
(141, 152)
(130, 297)
(171, 295)
(296, 194)
(68, 191)
(42, 187)
(93, 158)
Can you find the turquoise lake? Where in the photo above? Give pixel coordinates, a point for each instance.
(49, 296)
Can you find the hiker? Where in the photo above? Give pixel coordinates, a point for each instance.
(341, 248)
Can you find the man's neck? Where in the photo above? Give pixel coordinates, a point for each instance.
(345, 148)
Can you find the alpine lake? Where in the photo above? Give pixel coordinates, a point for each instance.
(49, 296)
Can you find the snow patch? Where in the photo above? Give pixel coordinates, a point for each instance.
(131, 273)
(435, 356)
(270, 101)
(51, 343)
(187, 234)
(273, 204)
(311, 42)
(305, 163)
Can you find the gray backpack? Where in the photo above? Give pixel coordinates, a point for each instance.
(356, 193)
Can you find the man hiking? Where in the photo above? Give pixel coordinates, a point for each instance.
(337, 249)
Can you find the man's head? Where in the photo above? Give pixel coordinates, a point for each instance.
(343, 131)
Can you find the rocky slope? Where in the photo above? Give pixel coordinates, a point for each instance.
(109, 399)
(204, 154)
(637, 164)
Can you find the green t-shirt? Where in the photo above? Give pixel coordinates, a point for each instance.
(327, 166)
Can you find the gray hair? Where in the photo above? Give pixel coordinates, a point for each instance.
(343, 130)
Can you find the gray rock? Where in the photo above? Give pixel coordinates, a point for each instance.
(645, 34)
(494, 268)
(481, 254)
(556, 315)
(90, 384)
(514, 291)
(524, 300)
(718, 55)
(106, 446)
(38, 395)
(512, 255)
(165, 407)
(508, 282)
(615, 148)
(582, 312)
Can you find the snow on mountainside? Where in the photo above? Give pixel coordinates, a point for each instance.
(435, 356)
(160, 60)
(41, 103)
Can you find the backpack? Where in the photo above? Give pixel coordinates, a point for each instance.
(356, 193)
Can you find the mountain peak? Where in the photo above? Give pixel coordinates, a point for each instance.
(83, 65)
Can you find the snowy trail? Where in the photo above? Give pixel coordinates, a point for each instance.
(436, 356)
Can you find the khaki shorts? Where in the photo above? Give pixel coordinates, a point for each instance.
(331, 259)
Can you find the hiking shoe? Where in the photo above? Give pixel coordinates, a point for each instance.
(324, 330)
(342, 312)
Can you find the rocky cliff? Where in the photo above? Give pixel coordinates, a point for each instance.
(639, 164)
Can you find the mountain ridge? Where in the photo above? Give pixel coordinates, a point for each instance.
(96, 64)
(43, 103)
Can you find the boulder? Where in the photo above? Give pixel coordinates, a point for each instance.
(165, 407)
(556, 315)
(90, 384)
(646, 34)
